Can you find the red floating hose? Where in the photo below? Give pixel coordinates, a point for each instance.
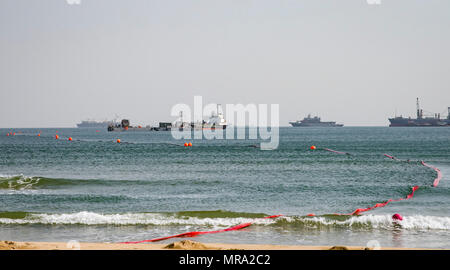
(389, 156)
(439, 174)
(356, 212)
(334, 151)
(361, 210)
(194, 234)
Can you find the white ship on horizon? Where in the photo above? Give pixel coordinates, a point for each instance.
(215, 121)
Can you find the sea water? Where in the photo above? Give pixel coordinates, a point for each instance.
(93, 189)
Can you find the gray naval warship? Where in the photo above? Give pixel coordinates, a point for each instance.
(94, 124)
(433, 120)
(314, 122)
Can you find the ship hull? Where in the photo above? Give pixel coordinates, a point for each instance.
(410, 122)
(98, 126)
(296, 124)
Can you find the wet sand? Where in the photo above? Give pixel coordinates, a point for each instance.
(177, 245)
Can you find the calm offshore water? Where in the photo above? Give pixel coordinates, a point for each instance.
(149, 186)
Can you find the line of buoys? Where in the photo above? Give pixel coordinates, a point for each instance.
(187, 144)
(57, 137)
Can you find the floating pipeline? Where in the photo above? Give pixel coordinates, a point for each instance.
(389, 156)
(439, 174)
(197, 233)
(409, 196)
(361, 210)
(354, 213)
(334, 151)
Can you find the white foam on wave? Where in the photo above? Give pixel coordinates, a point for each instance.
(91, 218)
(19, 182)
(413, 222)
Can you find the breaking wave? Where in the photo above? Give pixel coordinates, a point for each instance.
(413, 222)
(22, 182)
(222, 219)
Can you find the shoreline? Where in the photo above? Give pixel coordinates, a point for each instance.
(177, 245)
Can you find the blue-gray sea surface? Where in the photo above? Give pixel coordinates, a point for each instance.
(149, 186)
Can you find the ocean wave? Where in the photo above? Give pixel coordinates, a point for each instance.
(223, 219)
(91, 218)
(413, 222)
(21, 182)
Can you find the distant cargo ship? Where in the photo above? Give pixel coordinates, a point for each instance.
(215, 121)
(124, 125)
(94, 124)
(421, 121)
(314, 122)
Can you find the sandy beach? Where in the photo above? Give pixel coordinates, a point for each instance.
(183, 245)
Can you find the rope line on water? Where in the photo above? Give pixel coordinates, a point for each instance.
(358, 211)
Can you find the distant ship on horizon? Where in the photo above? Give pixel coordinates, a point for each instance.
(314, 122)
(421, 121)
(94, 124)
(215, 121)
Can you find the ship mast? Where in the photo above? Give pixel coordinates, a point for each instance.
(419, 111)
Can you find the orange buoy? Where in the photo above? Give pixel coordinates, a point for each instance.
(14, 133)
(7, 134)
(70, 138)
(39, 134)
(118, 140)
(186, 144)
(310, 215)
(189, 144)
(313, 147)
(139, 126)
(56, 136)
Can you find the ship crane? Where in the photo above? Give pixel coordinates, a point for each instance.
(419, 111)
(429, 119)
(448, 113)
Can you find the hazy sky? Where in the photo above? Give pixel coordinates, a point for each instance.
(345, 60)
